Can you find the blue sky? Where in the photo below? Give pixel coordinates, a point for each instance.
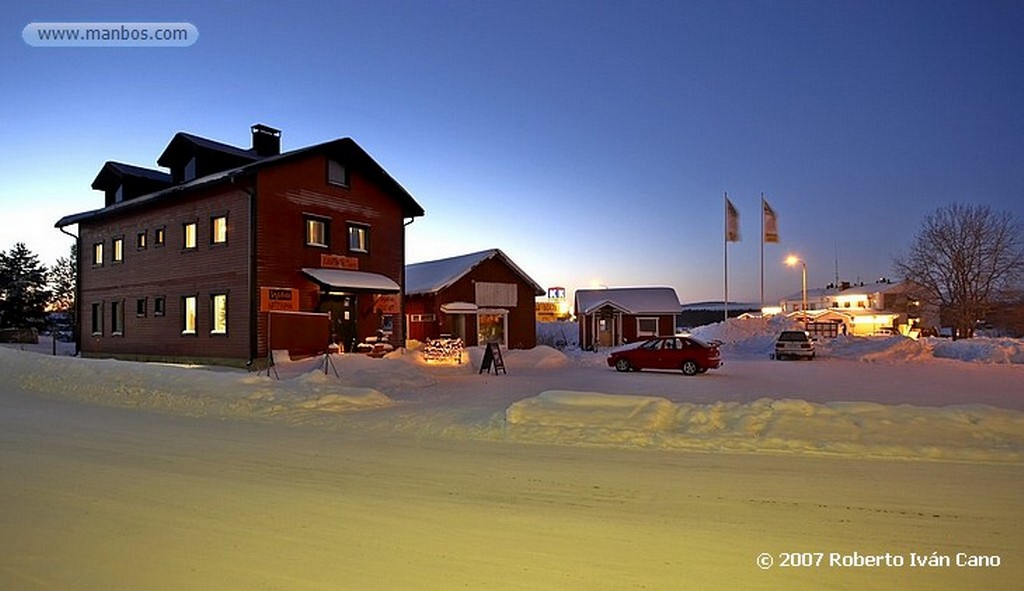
(591, 141)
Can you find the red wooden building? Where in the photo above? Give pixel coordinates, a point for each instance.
(612, 317)
(480, 297)
(237, 251)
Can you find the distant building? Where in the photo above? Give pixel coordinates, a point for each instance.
(864, 309)
(613, 316)
(479, 297)
(193, 263)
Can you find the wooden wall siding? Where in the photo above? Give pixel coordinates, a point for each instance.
(169, 271)
(285, 195)
(522, 327)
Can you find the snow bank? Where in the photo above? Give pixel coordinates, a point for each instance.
(189, 391)
(974, 432)
(755, 337)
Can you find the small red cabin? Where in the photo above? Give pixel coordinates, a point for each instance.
(480, 297)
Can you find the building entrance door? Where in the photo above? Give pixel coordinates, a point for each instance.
(344, 328)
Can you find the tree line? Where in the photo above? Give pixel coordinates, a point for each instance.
(30, 291)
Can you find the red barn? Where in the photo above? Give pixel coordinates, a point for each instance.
(237, 251)
(480, 297)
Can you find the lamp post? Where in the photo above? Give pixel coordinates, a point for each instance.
(792, 261)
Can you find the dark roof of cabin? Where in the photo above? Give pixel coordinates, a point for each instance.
(120, 169)
(345, 147)
(182, 140)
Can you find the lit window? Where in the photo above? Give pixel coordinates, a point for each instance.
(219, 304)
(97, 254)
(219, 229)
(158, 236)
(189, 233)
(140, 241)
(316, 231)
(118, 254)
(188, 315)
(337, 174)
(358, 238)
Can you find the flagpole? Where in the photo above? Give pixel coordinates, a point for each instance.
(762, 249)
(725, 242)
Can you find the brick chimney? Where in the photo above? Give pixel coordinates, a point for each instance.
(266, 141)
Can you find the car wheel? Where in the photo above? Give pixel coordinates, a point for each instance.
(623, 365)
(690, 368)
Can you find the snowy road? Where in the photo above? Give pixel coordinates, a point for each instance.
(107, 498)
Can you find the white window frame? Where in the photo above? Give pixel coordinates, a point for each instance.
(640, 332)
(503, 314)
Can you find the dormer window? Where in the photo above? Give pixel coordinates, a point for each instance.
(119, 194)
(190, 169)
(337, 174)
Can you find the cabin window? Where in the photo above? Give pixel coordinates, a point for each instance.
(188, 315)
(317, 231)
(188, 235)
(141, 241)
(337, 174)
(219, 229)
(97, 254)
(141, 307)
(219, 313)
(358, 238)
(117, 255)
(117, 318)
(97, 319)
(159, 236)
(159, 306)
(646, 327)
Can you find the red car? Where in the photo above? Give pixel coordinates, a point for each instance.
(688, 354)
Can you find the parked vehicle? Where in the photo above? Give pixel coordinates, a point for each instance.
(687, 354)
(793, 344)
(885, 331)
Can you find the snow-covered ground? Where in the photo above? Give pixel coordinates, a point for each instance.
(561, 474)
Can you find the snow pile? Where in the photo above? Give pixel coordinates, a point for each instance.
(189, 392)
(874, 348)
(745, 337)
(968, 432)
(755, 337)
(986, 350)
(558, 334)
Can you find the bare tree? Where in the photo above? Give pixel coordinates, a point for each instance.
(966, 258)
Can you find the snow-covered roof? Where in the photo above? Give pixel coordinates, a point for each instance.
(433, 276)
(632, 300)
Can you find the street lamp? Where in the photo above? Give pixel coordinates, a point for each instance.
(792, 261)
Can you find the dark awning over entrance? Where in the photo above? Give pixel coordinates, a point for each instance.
(353, 281)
